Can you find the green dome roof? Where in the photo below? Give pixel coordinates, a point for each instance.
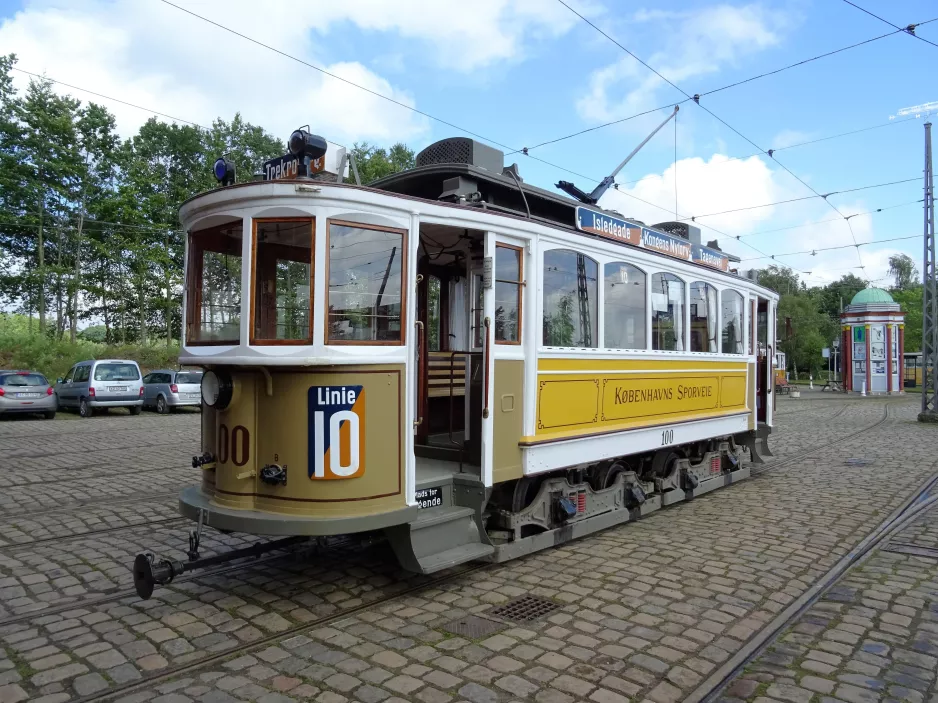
(871, 295)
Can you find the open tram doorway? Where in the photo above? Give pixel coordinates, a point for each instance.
(764, 361)
(451, 367)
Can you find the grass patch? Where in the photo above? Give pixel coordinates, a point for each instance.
(53, 358)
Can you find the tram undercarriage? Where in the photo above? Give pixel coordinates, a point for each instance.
(536, 512)
(463, 521)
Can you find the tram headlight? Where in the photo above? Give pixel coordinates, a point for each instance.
(217, 389)
(224, 171)
(302, 143)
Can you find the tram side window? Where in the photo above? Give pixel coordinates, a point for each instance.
(213, 295)
(703, 317)
(507, 294)
(624, 306)
(667, 312)
(732, 332)
(283, 264)
(366, 264)
(570, 299)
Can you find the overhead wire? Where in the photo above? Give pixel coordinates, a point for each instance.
(107, 97)
(910, 29)
(842, 246)
(696, 100)
(805, 197)
(467, 131)
(835, 219)
(730, 159)
(323, 71)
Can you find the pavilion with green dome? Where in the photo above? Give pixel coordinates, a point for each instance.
(873, 341)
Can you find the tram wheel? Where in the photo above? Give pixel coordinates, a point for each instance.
(525, 491)
(607, 475)
(663, 462)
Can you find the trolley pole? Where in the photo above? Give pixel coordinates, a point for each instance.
(929, 296)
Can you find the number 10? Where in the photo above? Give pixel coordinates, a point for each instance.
(335, 459)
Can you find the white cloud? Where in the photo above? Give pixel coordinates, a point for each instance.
(691, 44)
(151, 55)
(463, 37)
(718, 184)
(156, 56)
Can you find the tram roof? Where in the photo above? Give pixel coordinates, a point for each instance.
(464, 173)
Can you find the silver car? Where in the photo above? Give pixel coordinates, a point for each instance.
(26, 392)
(166, 390)
(101, 384)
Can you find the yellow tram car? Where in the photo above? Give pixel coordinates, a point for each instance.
(477, 367)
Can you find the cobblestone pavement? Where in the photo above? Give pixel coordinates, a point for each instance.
(872, 637)
(644, 611)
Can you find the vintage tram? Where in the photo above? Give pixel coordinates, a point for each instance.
(477, 367)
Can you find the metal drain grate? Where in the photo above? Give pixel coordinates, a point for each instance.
(474, 627)
(524, 609)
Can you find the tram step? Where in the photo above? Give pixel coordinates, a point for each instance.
(438, 538)
(454, 556)
(432, 518)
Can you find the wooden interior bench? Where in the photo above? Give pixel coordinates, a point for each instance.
(446, 374)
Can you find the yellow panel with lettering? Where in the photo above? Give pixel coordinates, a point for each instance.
(578, 397)
(658, 396)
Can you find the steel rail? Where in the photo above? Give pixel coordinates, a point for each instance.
(912, 508)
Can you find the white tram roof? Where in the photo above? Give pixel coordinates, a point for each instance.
(464, 174)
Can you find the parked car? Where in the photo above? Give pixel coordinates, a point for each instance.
(26, 392)
(166, 390)
(101, 384)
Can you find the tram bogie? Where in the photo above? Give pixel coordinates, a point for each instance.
(471, 366)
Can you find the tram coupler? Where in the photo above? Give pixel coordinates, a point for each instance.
(195, 537)
(149, 570)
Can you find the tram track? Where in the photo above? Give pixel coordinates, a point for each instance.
(131, 592)
(209, 659)
(195, 665)
(78, 505)
(14, 547)
(779, 463)
(198, 664)
(912, 508)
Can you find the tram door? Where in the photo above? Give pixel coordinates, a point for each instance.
(765, 356)
(451, 306)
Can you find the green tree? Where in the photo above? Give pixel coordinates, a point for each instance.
(782, 280)
(374, 163)
(910, 300)
(902, 268)
(832, 295)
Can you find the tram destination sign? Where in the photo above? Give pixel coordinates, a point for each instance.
(620, 230)
(291, 166)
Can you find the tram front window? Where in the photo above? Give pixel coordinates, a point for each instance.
(365, 293)
(213, 301)
(283, 257)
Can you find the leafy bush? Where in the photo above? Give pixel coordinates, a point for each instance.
(53, 358)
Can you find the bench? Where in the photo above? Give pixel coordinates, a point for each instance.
(446, 374)
(782, 387)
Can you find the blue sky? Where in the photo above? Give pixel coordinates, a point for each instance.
(529, 71)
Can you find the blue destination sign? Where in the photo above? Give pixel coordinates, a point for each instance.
(637, 236)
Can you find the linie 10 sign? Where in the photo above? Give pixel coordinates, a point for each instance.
(626, 232)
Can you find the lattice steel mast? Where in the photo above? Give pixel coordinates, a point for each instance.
(929, 296)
